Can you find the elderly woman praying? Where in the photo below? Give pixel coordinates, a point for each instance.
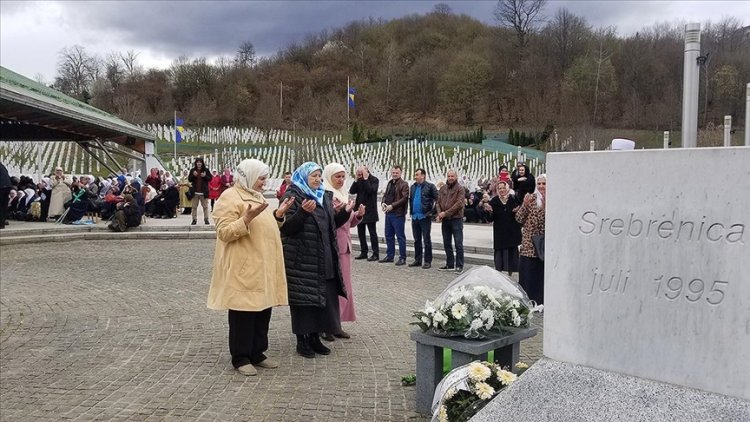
(248, 268)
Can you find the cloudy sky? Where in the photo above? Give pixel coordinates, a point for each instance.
(32, 33)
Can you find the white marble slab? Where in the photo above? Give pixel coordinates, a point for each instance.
(648, 265)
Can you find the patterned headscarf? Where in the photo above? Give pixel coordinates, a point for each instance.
(248, 172)
(299, 179)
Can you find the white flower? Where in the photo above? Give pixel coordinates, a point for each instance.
(513, 313)
(517, 321)
(428, 308)
(478, 371)
(439, 318)
(442, 414)
(515, 304)
(521, 365)
(486, 314)
(427, 321)
(476, 324)
(484, 391)
(490, 323)
(458, 310)
(506, 377)
(449, 394)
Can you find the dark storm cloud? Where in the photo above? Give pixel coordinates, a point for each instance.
(216, 28)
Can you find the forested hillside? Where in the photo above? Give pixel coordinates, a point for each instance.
(437, 70)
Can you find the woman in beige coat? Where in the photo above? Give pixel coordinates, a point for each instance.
(248, 269)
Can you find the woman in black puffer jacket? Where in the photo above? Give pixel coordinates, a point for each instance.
(311, 259)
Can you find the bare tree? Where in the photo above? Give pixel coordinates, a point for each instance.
(76, 71)
(129, 61)
(245, 55)
(442, 9)
(520, 15)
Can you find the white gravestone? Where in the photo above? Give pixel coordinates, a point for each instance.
(648, 265)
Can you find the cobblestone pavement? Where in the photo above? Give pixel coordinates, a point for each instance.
(96, 330)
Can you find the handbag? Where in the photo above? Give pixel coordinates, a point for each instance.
(538, 241)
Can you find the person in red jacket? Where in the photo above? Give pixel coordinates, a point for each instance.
(284, 185)
(214, 188)
(227, 180)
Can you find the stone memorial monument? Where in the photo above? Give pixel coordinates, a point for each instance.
(647, 290)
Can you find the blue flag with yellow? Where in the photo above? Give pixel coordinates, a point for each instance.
(352, 91)
(179, 130)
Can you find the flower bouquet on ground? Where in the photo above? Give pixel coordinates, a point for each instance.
(467, 389)
(478, 304)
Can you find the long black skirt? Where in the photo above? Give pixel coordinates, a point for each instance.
(531, 278)
(506, 259)
(314, 319)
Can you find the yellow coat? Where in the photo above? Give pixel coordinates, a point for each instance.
(248, 268)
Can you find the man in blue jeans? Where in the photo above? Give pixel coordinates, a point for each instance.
(394, 204)
(422, 197)
(450, 207)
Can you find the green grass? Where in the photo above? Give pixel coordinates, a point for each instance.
(448, 357)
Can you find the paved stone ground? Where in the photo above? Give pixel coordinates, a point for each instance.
(96, 330)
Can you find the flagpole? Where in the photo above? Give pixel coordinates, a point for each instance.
(175, 134)
(347, 103)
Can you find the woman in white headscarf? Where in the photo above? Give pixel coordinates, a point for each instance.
(334, 178)
(248, 268)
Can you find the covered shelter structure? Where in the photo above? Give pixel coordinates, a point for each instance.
(31, 111)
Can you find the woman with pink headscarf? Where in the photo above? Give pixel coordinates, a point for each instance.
(334, 177)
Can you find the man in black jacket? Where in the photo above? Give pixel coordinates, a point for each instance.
(422, 197)
(199, 177)
(5, 185)
(366, 189)
(395, 202)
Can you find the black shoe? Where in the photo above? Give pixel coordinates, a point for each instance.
(401, 261)
(317, 346)
(327, 337)
(373, 258)
(361, 256)
(386, 259)
(342, 334)
(459, 269)
(206, 221)
(415, 264)
(194, 222)
(446, 268)
(303, 347)
(427, 266)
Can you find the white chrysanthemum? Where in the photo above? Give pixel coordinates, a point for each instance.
(439, 318)
(521, 365)
(517, 321)
(427, 321)
(476, 324)
(442, 414)
(458, 310)
(513, 313)
(484, 391)
(478, 372)
(486, 314)
(506, 377)
(515, 304)
(449, 394)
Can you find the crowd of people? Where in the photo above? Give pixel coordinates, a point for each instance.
(300, 254)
